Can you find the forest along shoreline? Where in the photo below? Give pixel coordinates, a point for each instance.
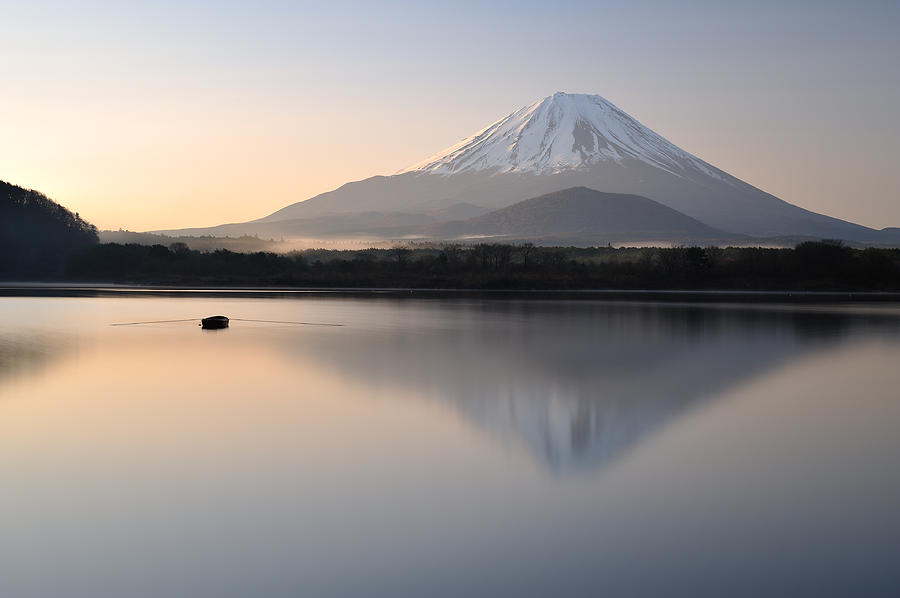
(814, 266)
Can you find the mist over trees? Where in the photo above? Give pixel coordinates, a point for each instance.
(37, 235)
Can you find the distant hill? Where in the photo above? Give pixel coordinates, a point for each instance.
(583, 215)
(37, 235)
(459, 211)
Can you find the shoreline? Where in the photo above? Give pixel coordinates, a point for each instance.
(46, 289)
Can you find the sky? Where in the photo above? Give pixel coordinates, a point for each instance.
(147, 115)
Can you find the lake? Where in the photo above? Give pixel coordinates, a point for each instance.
(431, 446)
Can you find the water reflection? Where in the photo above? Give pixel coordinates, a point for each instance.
(30, 353)
(407, 453)
(578, 383)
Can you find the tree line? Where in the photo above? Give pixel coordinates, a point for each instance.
(824, 265)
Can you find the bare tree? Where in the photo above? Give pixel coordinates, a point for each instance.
(526, 250)
(501, 256)
(483, 254)
(452, 253)
(402, 254)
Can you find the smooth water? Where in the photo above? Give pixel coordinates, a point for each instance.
(447, 447)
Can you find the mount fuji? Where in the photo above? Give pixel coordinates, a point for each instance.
(563, 132)
(560, 142)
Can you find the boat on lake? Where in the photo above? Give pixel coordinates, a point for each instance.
(214, 322)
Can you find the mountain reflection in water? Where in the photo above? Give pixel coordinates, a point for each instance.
(578, 383)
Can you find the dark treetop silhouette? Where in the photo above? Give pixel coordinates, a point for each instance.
(37, 235)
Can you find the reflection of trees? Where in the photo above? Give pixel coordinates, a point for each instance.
(22, 354)
(580, 382)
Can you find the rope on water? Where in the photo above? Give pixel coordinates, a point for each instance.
(283, 322)
(154, 322)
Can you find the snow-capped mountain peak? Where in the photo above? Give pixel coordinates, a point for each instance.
(560, 133)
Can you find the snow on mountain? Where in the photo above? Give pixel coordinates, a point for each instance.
(560, 133)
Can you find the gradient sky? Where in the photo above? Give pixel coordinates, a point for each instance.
(146, 115)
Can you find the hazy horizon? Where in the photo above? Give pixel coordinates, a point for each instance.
(170, 115)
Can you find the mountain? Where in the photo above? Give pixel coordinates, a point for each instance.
(571, 140)
(37, 234)
(582, 214)
(563, 132)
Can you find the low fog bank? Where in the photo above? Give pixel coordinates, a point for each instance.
(244, 243)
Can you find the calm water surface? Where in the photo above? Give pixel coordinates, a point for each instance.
(433, 447)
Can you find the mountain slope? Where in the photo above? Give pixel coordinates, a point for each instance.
(37, 234)
(583, 214)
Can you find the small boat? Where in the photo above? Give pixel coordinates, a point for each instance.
(214, 322)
